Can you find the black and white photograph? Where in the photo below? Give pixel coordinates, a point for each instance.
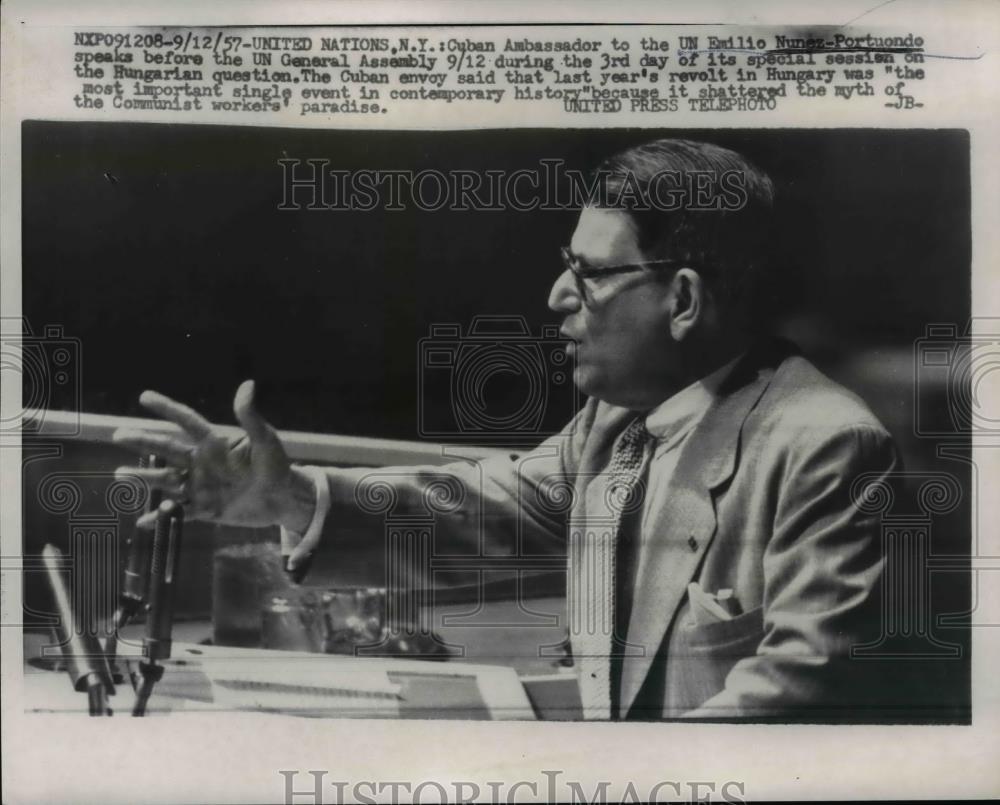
(541, 373)
(606, 430)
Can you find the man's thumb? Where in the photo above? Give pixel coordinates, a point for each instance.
(247, 414)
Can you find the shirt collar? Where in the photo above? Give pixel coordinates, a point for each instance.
(674, 418)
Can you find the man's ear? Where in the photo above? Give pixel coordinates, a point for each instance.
(688, 302)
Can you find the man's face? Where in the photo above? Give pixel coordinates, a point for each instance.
(624, 351)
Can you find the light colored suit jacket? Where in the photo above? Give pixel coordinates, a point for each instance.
(762, 502)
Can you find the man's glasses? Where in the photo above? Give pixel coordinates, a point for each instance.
(581, 273)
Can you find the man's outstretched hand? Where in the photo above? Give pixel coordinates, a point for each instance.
(245, 479)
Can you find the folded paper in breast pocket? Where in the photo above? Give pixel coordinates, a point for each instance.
(704, 608)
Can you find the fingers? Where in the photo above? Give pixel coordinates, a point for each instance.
(190, 420)
(169, 480)
(169, 447)
(248, 416)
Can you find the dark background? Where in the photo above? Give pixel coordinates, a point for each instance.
(162, 248)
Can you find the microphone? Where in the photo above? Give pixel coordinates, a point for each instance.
(139, 547)
(136, 576)
(85, 661)
(162, 578)
(160, 610)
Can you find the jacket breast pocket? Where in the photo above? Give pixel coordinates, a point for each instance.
(702, 656)
(738, 636)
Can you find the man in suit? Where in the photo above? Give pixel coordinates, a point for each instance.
(722, 562)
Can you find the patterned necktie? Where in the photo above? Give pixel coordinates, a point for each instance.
(612, 496)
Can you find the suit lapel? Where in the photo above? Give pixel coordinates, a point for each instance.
(681, 533)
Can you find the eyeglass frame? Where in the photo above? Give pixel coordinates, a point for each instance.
(581, 274)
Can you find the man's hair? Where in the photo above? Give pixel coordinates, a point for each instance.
(704, 205)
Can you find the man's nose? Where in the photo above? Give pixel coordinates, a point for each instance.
(564, 296)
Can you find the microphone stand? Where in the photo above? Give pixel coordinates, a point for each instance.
(160, 610)
(85, 660)
(136, 578)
